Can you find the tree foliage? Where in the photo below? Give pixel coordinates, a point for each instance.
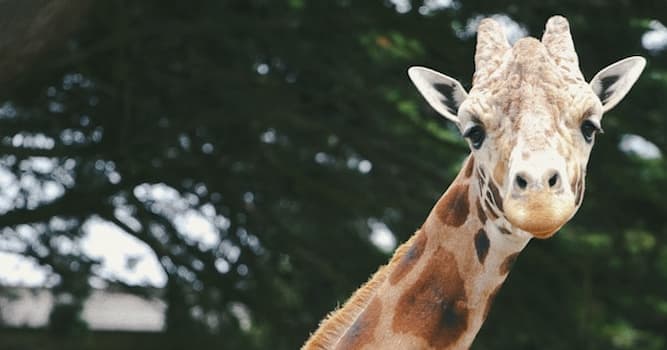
(292, 127)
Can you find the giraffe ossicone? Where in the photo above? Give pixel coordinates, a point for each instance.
(530, 119)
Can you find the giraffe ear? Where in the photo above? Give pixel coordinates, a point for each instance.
(443, 93)
(613, 82)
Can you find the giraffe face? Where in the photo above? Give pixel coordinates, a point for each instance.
(531, 130)
(530, 120)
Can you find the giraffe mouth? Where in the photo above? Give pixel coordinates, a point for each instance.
(540, 214)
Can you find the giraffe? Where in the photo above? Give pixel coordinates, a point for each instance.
(530, 120)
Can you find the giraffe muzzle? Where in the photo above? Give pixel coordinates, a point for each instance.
(540, 212)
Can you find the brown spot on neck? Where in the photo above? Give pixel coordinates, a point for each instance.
(408, 261)
(489, 196)
(480, 212)
(482, 245)
(362, 330)
(453, 208)
(434, 308)
(490, 300)
(507, 264)
(470, 165)
(497, 199)
(489, 208)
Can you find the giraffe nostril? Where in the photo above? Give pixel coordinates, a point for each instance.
(521, 182)
(553, 180)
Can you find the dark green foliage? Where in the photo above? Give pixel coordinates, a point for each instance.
(265, 110)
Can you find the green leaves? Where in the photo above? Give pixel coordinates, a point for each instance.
(639, 242)
(391, 45)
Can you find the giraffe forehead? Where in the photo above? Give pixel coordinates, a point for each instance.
(527, 82)
(526, 101)
(526, 93)
(528, 58)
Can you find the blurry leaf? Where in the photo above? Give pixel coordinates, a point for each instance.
(638, 242)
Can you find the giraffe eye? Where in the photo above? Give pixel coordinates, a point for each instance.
(588, 129)
(476, 135)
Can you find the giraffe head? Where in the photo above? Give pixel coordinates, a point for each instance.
(530, 119)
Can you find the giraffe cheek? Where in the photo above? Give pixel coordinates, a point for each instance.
(499, 172)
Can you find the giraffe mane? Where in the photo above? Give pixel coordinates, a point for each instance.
(333, 327)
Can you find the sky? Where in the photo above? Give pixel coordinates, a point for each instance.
(124, 258)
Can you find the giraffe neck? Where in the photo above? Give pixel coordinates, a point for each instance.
(438, 287)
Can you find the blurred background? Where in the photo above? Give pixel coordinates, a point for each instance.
(221, 174)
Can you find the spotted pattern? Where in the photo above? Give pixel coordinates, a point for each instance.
(504, 230)
(490, 300)
(480, 212)
(408, 261)
(434, 307)
(470, 165)
(361, 331)
(507, 264)
(480, 180)
(453, 209)
(482, 245)
(497, 199)
(489, 197)
(490, 210)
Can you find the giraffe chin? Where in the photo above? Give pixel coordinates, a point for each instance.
(541, 215)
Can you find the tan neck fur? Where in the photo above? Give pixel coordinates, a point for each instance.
(436, 290)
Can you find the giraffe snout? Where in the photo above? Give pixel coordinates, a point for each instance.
(524, 181)
(539, 200)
